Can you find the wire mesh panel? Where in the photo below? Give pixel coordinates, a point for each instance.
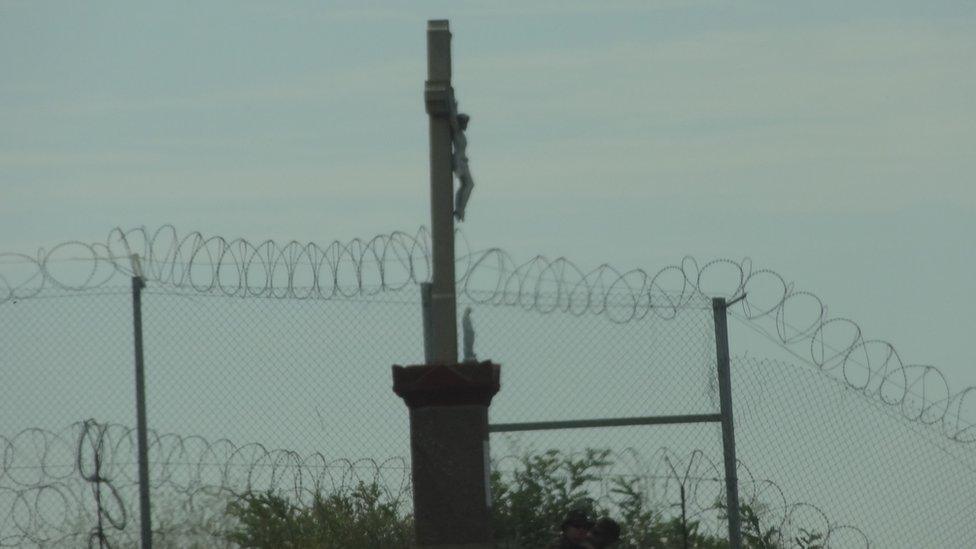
(268, 374)
(838, 461)
(67, 356)
(306, 375)
(243, 395)
(562, 366)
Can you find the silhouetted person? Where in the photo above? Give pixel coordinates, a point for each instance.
(605, 533)
(574, 528)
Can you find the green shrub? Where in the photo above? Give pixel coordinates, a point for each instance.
(356, 519)
(528, 506)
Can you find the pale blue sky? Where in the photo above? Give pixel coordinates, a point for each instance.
(834, 142)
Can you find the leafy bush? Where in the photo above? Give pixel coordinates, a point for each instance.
(528, 506)
(357, 519)
(527, 509)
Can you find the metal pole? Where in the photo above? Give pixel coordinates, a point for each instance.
(719, 310)
(100, 524)
(425, 292)
(437, 96)
(143, 440)
(684, 517)
(609, 422)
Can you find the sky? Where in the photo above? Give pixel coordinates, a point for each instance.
(834, 142)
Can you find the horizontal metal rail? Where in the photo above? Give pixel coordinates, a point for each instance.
(611, 422)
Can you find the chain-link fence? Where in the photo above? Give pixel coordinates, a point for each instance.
(268, 369)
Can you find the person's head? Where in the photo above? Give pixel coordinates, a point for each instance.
(605, 532)
(576, 525)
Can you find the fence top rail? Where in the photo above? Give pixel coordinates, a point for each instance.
(607, 422)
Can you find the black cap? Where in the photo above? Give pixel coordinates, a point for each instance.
(578, 518)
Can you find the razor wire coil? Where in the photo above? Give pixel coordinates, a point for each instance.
(43, 509)
(367, 269)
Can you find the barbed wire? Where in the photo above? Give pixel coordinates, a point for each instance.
(696, 481)
(113, 509)
(43, 486)
(794, 319)
(45, 476)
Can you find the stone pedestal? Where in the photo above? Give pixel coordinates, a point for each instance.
(449, 451)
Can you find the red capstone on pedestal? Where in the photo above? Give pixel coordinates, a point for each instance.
(464, 384)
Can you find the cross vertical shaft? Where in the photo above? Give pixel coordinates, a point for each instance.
(437, 96)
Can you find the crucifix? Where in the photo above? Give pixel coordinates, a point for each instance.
(448, 156)
(448, 400)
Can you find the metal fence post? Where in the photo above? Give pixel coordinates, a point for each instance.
(719, 310)
(145, 519)
(425, 291)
